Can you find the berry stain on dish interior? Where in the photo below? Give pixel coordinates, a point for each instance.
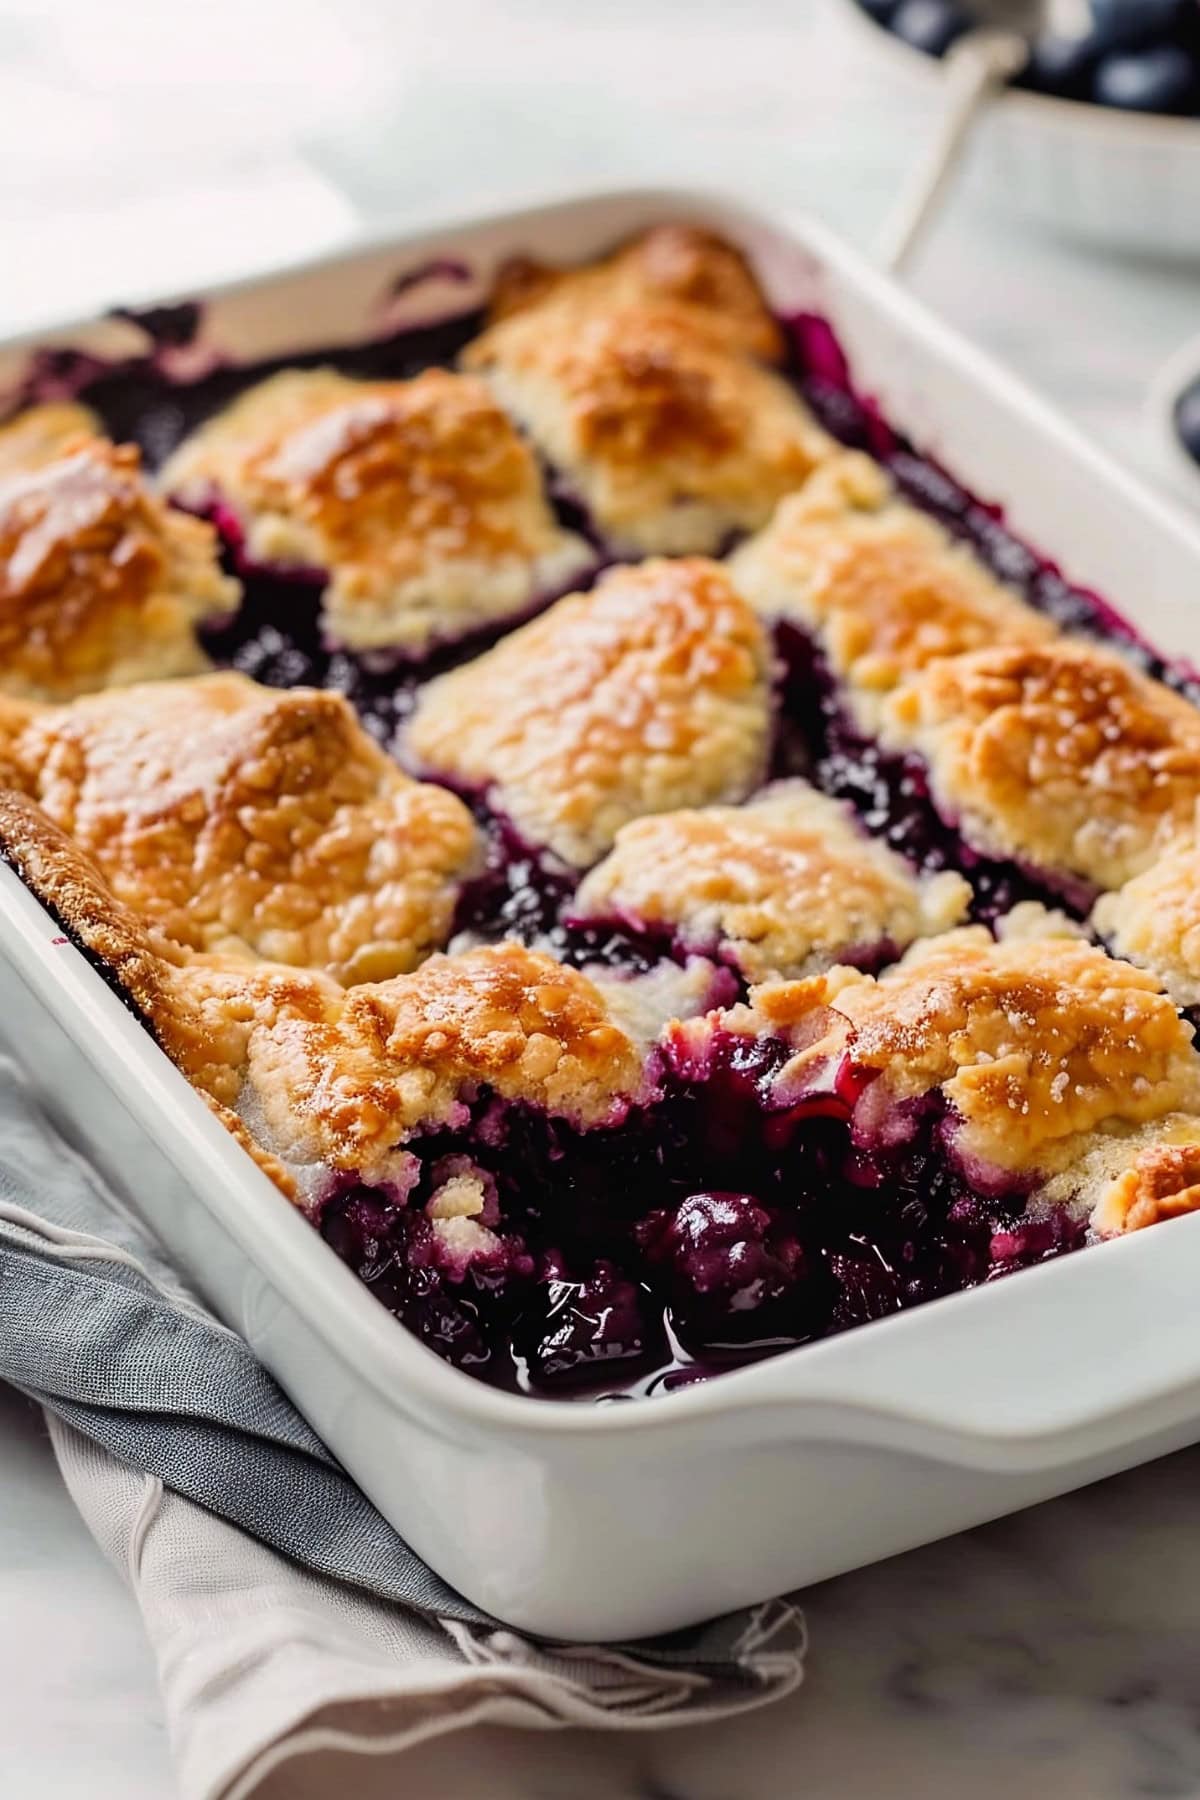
(144, 398)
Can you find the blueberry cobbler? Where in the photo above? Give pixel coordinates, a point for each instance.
(639, 857)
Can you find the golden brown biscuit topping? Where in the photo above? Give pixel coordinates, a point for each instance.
(342, 1079)
(637, 379)
(680, 265)
(781, 884)
(650, 693)
(883, 586)
(41, 434)
(251, 821)
(419, 499)
(1037, 1044)
(1162, 1182)
(1154, 920)
(202, 1010)
(1061, 755)
(1034, 1043)
(408, 1054)
(100, 583)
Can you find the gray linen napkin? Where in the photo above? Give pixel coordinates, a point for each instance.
(288, 1618)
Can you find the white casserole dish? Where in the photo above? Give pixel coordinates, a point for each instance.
(612, 1521)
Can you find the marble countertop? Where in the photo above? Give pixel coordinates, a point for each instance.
(1058, 1651)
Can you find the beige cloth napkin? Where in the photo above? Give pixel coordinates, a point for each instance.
(267, 1669)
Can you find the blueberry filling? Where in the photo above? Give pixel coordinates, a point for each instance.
(825, 380)
(143, 400)
(650, 1268)
(276, 638)
(524, 891)
(890, 792)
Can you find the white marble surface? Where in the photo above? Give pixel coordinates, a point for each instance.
(142, 145)
(1055, 1653)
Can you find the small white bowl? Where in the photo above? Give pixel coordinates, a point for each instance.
(1127, 180)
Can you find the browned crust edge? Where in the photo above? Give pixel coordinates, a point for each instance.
(109, 934)
(71, 887)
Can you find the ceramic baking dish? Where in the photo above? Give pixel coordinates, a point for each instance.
(608, 1521)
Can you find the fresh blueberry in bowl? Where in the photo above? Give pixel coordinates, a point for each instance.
(1064, 66)
(930, 25)
(1132, 55)
(1187, 420)
(1133, 24)
(1165, 78)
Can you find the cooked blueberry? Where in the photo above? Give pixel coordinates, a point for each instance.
(1029, 1241)
(581, 1328)
(1164, 79)
(445, 1320)
(1187, 419)
(866, 1288)
(727, 1266)
(930, 25)
(1064, 65)
(359, 1225)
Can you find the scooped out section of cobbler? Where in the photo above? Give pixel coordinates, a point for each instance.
(658, 874)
